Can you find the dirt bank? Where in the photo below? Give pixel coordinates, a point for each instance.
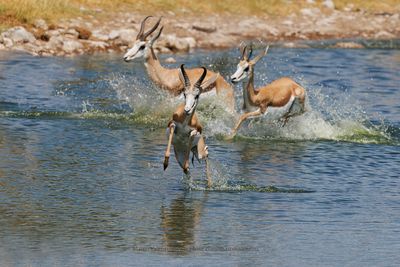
(185, 32)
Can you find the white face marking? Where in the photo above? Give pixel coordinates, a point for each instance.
(137, 51)
(241, 71)
(191, 100)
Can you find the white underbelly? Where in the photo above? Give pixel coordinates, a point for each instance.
(279, 112)
(180, 143)
(291, 108)
(180, 139)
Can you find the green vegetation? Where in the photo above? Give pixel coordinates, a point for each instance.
(13, 12)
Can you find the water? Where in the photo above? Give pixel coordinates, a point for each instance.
(82, 184)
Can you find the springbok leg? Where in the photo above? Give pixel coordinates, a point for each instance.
(168, 151)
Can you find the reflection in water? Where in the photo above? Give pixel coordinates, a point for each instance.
(179, 222)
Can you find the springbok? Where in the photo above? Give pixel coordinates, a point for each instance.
(184, 131)
(282, 93)
(168, 79)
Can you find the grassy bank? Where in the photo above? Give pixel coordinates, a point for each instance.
(14, 12)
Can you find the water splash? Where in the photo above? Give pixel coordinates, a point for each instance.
(326, 118)
(150, 106)
(153, 106)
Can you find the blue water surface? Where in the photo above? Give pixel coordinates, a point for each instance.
(82, 142)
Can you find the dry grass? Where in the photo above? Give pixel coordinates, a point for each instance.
(389, 6)
(14, 12)
(27, 10)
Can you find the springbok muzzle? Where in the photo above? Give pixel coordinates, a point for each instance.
(238, 75)
(190, 104)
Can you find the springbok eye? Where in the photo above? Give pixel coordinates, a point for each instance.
(142, 47)
(246, 69)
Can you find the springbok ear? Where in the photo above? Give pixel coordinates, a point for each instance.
(209, 81)
(259, 56)
(183, 76)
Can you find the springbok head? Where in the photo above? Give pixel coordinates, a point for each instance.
(245, 63)
(192, 91)
(142, 44)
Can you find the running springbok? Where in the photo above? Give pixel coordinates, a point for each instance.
(282, 93)
(168, 79)
(184, 131)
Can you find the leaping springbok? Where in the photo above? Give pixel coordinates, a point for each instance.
(281, 93)
(184, 131)
(168, 79)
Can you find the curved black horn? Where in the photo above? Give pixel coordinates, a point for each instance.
(251, 51)
(145, 35)
(200, 80)
(243, 50)
(260, 55)
(140, 34)
(157, 35)
(185, 76)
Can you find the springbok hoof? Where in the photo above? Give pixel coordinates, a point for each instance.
(166, 159)
(186, 171)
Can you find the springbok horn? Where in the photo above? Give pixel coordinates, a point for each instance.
(157, 35)
(243, 51)
(260, 55)
(251, 51)
(200, 80)
(140, 34)
(145, 35)
(185, 77)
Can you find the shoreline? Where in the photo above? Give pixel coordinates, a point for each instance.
(69, 37)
